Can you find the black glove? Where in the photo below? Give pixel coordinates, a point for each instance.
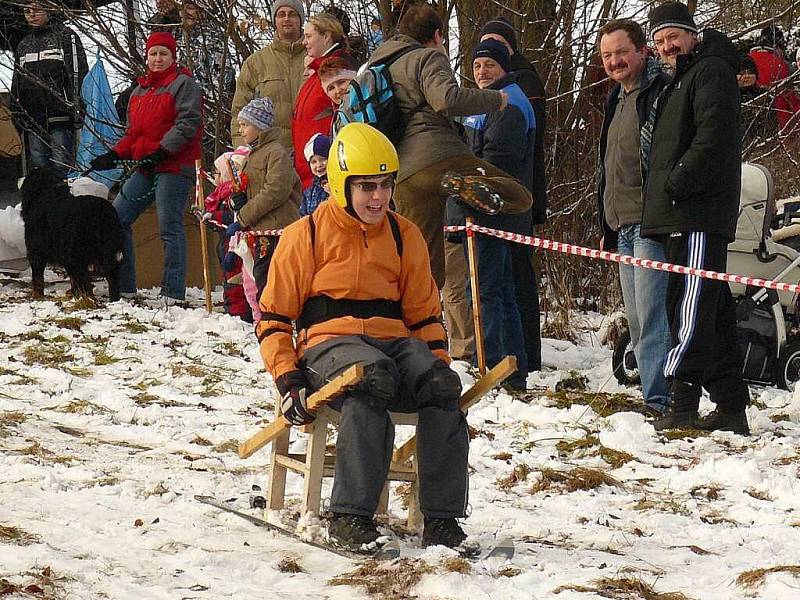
(104, 162)
(293, 387)
(153, 159)
(238, 200)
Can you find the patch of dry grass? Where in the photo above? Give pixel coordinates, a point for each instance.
(43, 584)
(518, 475)
(82, 407)
(622, 588)
(684, 434)
(578, 478)
(48, 355)
(289, 564)
(456, 564)
(42, 454)
(603, 403)
(662, 504)
(73, 323)
(9, 419)
(589, 445)
(231, 446)
(386, 581)
(756, 577)
(9, 534)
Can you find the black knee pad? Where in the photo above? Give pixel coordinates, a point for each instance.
(379, 384)
(440, 386)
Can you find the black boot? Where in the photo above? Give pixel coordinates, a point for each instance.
(719, 420)
(473, 191)
(682, 411)
(355, 532)
(442, 532)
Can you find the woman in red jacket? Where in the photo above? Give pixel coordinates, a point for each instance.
(164, 129)
(323, 37)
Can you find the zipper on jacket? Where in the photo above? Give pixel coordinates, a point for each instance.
(364, 233)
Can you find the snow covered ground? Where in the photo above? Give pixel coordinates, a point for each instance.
(112, 418)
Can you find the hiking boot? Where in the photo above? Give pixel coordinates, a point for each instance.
(442, 532)
(682, 412)
(355, 532)
(719, 420)
(473, 191)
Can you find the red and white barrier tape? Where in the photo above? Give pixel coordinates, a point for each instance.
(537, 242)
(629, 260)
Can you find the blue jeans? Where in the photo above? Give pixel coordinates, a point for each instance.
(54, 150)
(644, 292)
(500, 318)
(170, 193)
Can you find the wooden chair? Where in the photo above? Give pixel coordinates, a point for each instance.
(316, 463)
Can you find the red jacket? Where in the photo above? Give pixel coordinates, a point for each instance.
(772, 69)
(165, 111)
(313, 113)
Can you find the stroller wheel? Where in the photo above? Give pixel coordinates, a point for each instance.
(787, 371)
(623, 361)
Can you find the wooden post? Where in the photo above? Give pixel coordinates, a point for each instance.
(198, 192)
(476, 297)
(319, 398)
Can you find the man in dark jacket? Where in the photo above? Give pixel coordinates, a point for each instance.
(46, 88)
(526, 287)
(691, 202)
(621, 171)
(505, 139)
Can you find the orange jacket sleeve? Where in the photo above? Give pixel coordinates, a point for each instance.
(288, 285)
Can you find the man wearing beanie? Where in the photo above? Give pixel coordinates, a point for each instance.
(504, 139)
(691, 204)
(771, 69)
(526, 286)
(276, 71)
(621, 172)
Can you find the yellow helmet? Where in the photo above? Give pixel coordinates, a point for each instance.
(358, 149)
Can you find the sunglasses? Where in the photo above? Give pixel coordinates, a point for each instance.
(370, 187)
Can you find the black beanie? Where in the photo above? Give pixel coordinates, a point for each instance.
(671, 14)
(495, 50)
(502, 27)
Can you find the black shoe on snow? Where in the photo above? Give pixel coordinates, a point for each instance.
(682, 418)
(442, 532)
(355, 532)
(718, 420)
(472, 191)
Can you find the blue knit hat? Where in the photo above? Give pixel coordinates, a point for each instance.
(258, 112)
(317, 145)
(495, 50)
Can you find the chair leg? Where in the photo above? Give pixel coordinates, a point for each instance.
(315, 465)
(383, 502)
(414, 513)
(276, 491)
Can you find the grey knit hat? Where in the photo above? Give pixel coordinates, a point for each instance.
(258, 112)
(671, 14)
(295, 5)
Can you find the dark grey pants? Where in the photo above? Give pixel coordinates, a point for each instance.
(366, 433)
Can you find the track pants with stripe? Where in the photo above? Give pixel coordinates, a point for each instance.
(702, 321)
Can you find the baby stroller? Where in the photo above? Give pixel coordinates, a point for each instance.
(767, 246)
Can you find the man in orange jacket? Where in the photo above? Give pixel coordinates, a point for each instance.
(355, 279)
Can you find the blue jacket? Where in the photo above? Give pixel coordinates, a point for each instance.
(313, 196)
(505, 139)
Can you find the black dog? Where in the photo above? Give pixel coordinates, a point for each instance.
(73, 232)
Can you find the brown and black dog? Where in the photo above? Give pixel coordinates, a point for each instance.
(73, 232)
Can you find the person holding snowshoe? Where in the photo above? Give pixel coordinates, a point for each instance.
(355, 279)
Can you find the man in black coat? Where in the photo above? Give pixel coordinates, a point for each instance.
(691, 203)
(524, 74)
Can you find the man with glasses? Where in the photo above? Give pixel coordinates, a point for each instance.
(46, 88)
(355, 279)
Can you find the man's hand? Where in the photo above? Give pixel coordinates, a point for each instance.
(293, 388)
(104, 162)
(238, 200)
(294, 407)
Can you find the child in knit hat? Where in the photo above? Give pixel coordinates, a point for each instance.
(273, 193)
(316, 153)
